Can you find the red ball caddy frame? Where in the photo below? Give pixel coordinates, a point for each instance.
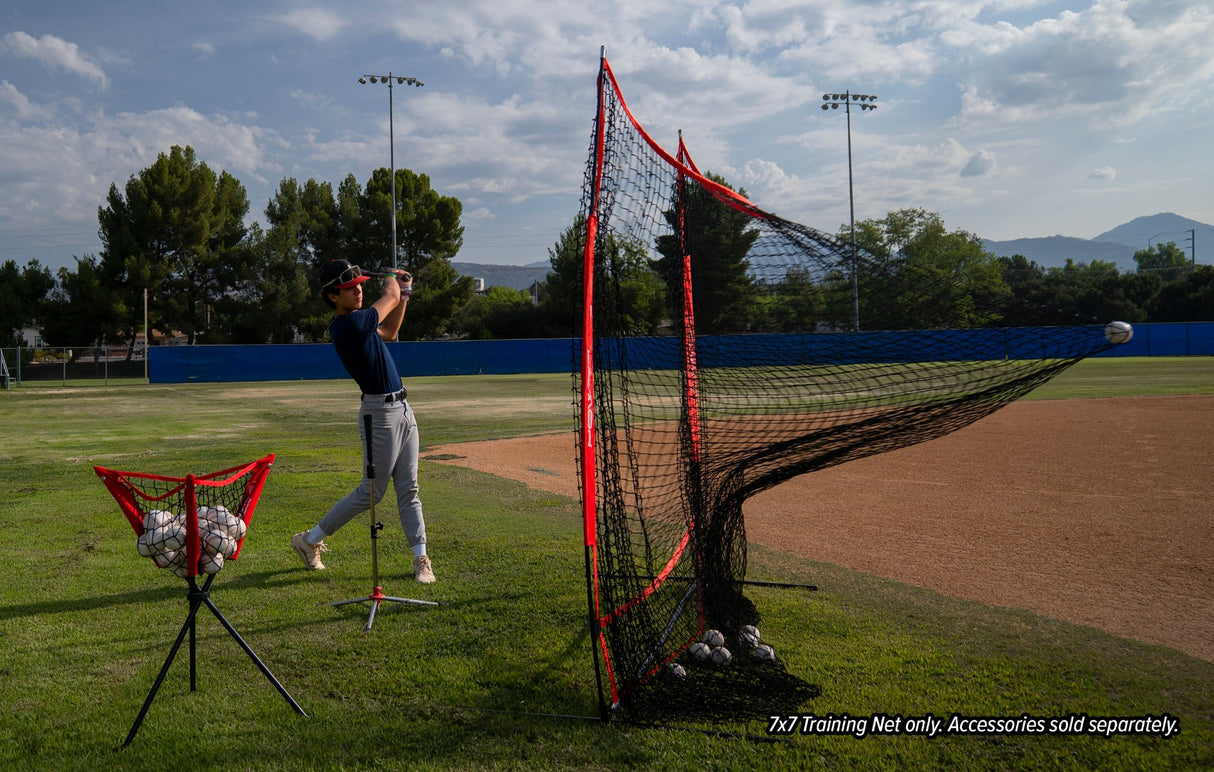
(240, 487)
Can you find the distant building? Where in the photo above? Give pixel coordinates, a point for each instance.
(31, 337)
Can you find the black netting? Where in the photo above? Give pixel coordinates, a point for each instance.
(784, 351)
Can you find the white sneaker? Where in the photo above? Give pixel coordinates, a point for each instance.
(310, 553)
(422, 570)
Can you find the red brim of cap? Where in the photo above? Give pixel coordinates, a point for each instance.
(353, 282)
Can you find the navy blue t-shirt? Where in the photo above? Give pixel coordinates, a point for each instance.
(363, 352)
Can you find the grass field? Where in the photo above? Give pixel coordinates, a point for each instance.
(500, 676)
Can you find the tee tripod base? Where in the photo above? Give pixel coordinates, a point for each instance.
(376, 598)
(199, 596)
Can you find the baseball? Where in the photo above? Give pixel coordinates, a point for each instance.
(164, 559)
(748, 636)
(1118, 332)
(219, 519)
(218, 543)
(142, 544)
(210, 564)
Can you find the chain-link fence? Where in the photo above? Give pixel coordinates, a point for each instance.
(64, 365)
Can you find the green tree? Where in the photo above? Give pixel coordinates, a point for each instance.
(1168, 260)
(269, 298)
(622, 271)
(1189, 300)
(562, 303)
(917, 274)
(794, 304)
(86, 309)
(501, 313)
(176, 230)
(308, 215)
(23, 297)
(306, 229)
(717, 237)
(1077, 293)
(428, 235)
(1031, 296)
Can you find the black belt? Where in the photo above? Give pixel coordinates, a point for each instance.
(397, 397)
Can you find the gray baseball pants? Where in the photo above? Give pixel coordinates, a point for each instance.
(394, 446)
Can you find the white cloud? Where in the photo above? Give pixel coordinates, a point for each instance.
(26, 110)
(320, 24)
(56, 54)
(59, 174)
(1114, 62)
(1103, 174)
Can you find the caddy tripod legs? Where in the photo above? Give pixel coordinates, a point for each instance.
(199, 596)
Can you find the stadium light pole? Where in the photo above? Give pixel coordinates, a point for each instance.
(864, 102)
(391, 80)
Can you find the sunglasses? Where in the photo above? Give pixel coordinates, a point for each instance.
(348, 275)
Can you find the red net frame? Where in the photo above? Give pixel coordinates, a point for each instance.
(237, 490)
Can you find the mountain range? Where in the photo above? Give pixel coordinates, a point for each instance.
(1114, 246)
(519, 277)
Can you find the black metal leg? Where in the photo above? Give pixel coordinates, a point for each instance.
(195, 594)
(147, 703)
(256, 661)
(193, 654)
(198, 596)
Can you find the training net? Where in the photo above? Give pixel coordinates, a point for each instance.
(189, 525)
(787, 350)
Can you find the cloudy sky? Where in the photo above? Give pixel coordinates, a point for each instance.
(1011, 118)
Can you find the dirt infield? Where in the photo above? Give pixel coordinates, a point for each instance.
(1095, 511)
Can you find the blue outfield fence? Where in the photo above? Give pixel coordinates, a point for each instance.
(318, 361)
(1168, 340)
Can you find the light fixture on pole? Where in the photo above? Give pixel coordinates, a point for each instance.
(1192, 244)
(864, 102)
(391, 80)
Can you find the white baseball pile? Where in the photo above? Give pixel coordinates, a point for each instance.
(715, 643)
(163, 540)
(719, 655)
(164, 535)
(750, 638)
(713, 638)
(219, 533)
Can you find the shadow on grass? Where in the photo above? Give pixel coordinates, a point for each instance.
(94, 603)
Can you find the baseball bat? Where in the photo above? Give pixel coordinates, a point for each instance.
(406, 276)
